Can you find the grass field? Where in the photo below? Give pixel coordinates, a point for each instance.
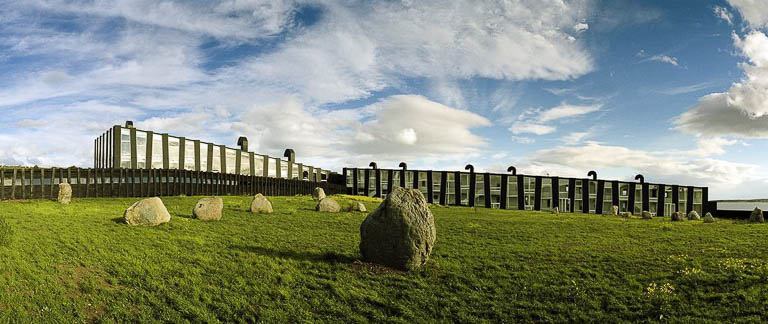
(80, 263)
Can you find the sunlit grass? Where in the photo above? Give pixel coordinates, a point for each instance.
(80, 262)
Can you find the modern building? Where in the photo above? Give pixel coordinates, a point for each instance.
(528, 192)
(125, 147)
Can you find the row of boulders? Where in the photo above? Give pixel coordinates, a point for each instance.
(692, 215)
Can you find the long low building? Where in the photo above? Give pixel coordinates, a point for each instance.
(529, 192)
(130, 148)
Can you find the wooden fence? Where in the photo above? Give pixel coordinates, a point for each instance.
(43, 183)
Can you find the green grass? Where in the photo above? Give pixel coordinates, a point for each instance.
(80, 263)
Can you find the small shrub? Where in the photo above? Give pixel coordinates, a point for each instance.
(6, 232)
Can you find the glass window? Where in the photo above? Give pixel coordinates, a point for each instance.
(258, 164)
(141, 149)
(173, 153)
(231, 158)
(216, 158)
(284, 169)
(245, 163)
(450, 195)
(157, 152)
(189, 155)
(204, 156)
(272, 164)
(295, 171)
(125, 148)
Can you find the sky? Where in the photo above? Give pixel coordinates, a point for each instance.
(674, 90)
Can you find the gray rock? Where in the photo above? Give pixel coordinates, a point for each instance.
(556, 211)
(693, 215)
(318, 194)
(208, 209)
(625, 214)
(65, 193)
(400, 233)
(328, 205)
(757, 216)
(148, 212)
(708, 218)
(647, 215)
(261, 205)
(615, 210)
(361, 207)
(678, 217)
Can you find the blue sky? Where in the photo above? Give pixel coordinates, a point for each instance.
(675, 90)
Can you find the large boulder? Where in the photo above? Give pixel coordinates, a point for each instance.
(65, 193)
(149, 212)
(647, 215)
(400, 233)
(615, 210)
(678, 217)
(694, 215)
(318, 194)
(261, 205)
(208, 209)
(625, 214)
(757, 216)
(361, 207)
(328, 205)
(708, 218)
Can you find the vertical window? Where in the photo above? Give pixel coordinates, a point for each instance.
(231, 158)
(157, 151)
(125, 148)
(283, 169)
(272, 167)
(245, 163)
(173, 153)
(141, 149)
(204, 156)
(216, 159)
(258, 165)
(189, 155)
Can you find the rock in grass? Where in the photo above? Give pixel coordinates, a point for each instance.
(148, 212)
(361, 207)
(556, 211)
(757, 216)
(208, 209)
(65, 193)
(328, 205)
(693, 215)
(261, 205)
(708, 218)
(625, 214)
(400, 233)
(647, 215)
(677, 217)
(615, 210)
(318, 194)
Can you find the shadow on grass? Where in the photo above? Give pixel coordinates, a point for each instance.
(327, 257)
(118, 220)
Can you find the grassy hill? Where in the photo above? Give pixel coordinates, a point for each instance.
(80, 263)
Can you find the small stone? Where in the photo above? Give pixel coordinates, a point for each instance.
(647, 215)
(556, 211)
(148, 212)
(208, 209)
(678, 217)
(757, 216)
(693, 215)
(318, 194)
(261, 205)
(328, 205)
(708, 218)
(625, 214)
(65, 193)
(615, 210)
(361, 207)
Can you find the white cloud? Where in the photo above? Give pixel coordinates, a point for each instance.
(523, 127)
(576, 137)
(565, 110)
(686, 89)
(523, 140)
(755, 12)
(743, 109)
(724, 14)
(663, 59)
(580, 27)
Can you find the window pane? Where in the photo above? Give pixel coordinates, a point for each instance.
(245, 163)
(189, 155)
(125, 148)
(216, 159)
(157, 152)
(173, 153)
(204, 156)
(141, 149)
(283, 169)
(258, 164)
(231, 158)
